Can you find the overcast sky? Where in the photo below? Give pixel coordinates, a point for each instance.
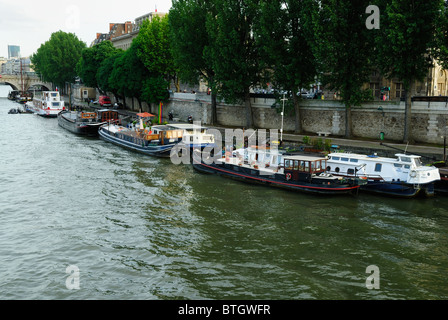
(29, 23)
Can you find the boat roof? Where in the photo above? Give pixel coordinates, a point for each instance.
(304, 157)
(161, 127)
(185, 126)
(145, 115)
(372, 157)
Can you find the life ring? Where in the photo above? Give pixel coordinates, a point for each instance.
(288, 176)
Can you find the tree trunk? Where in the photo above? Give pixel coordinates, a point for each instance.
(298, 118)
(407, 136)
(214, 119)
(140, 105)
(348, 121)
(177, 85)
(248, 106)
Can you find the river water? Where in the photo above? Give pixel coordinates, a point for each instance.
(136, 227)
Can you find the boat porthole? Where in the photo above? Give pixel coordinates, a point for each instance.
(337, 170)
(328, 168)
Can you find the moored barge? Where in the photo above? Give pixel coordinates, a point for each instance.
(261, 165)
(86, 123)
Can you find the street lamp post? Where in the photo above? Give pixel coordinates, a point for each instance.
(283, 116)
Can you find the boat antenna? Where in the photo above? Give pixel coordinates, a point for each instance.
(405, 150)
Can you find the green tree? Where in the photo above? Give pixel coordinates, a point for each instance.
(104, 80)
(406, 44)
(344, 47)
(135, 74)
(190, 39)
(284, 31)
(117, 77)
(153, 47)
(441, 46)
(57, 58)
(91, 59)
(154, 89)
(233, 52)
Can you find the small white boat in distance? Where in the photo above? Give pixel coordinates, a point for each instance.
(403, 176)
(49, 105)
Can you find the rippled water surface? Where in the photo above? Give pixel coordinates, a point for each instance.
(138, 227)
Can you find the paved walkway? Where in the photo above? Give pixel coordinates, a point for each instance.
(371, 144)
(429, 153)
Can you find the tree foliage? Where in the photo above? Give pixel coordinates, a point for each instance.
(190, 40)
(441, 46)
(344, 48)
(57, 58)
(91, 59)
(284, 31)
(406, 44)
(105, 70)
(153, 47)
(233, 52)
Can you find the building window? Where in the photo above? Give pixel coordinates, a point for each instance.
(399, 90)
(375, 87)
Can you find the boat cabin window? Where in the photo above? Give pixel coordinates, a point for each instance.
(417, 162)
(351, 171)
(405, 159)
(55, 104)
(407, 166)
(354, 160)
(305, 166)
(335, 158)
(378, 167)
(344, 159)
(54, 94)
(397, 165)
(296, 165)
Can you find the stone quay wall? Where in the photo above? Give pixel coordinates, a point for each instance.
(429, 119)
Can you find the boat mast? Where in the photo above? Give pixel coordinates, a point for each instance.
(21, 74)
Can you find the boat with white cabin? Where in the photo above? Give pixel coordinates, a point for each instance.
(274, 168)
(153, 141)
(403, 176)
(49, 105)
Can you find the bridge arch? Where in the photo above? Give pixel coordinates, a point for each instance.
(39, 86)
(12, 85)
(15, 81)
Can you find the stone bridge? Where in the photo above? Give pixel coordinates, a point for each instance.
(15, 81)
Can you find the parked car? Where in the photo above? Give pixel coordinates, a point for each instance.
(311, 95)
(105, 101)
(118, 105)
